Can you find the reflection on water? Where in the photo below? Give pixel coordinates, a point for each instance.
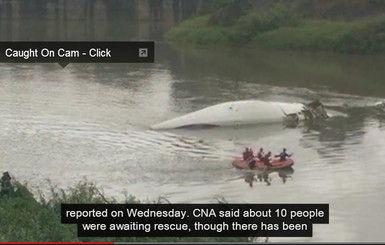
(267, 176)
(248, 70)
(89, 20)
(92, 120)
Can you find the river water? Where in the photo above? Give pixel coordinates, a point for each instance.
(91, 121)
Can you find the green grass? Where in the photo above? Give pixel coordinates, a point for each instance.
(24, 218)
(284, 28)
(205, 31)
(346, 37)
(197, 31)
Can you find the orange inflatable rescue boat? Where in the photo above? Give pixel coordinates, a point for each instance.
(275, 163)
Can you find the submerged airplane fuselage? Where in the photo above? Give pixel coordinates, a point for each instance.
(236, 113)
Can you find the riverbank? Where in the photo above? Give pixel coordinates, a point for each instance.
(284, 27)
(25, 218)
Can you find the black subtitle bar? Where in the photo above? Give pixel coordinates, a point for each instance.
(195, 220)
(77, 52)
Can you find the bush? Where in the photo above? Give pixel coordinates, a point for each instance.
(197, 31)
(346, 37)
(368, 36)
(312, 34)
(256, 22)
(226, 12)
(26, 219)
(281, 27)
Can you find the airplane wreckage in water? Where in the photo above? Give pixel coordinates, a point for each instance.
(380, 105)
(247, 112)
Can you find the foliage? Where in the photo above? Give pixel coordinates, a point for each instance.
(23, 218)
(256, 22)
(197, 31)
(283, 26)
(353, 37)
(225, 12)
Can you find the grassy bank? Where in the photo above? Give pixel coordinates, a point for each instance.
(283, 27)
(23, 218)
